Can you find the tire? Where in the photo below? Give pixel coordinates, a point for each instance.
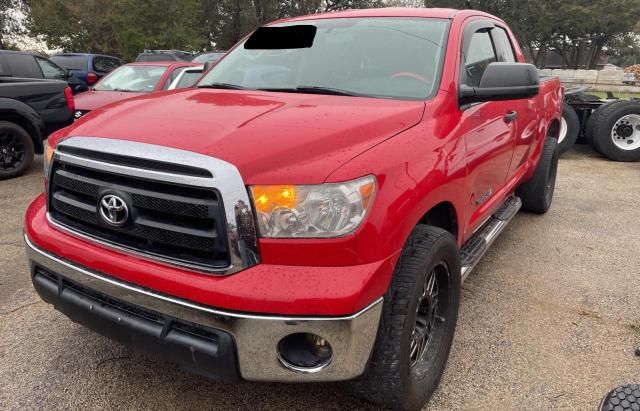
(616, 131)
(623, 398)
(537, 193)
(16, 150)
(588, 130)
(569, 129)
(390, 379)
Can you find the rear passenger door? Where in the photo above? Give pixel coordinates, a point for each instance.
(487, 128)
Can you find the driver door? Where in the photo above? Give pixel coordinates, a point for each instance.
(488, 129)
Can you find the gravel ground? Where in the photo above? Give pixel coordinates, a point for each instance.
(547, 319)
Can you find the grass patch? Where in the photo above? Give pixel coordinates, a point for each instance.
(635, 328)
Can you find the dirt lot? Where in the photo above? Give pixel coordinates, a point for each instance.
(549, 319)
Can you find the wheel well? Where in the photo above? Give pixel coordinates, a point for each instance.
(554, 129)
(443, 216)
(29, 128)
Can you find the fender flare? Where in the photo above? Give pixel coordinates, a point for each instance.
(26, 117)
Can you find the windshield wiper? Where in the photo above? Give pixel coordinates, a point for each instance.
(224, 86)
(316, 90)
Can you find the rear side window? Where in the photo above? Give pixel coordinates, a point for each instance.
(23, 65)
(72, 62)
(4, 70)
(106, 64)
(481, 53)
(503, 45)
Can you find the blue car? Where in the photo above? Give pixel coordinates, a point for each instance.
(87, 67)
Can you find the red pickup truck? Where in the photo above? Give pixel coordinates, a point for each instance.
(309, 211)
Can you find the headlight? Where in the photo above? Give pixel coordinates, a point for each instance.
(48, 155)
(313, 211)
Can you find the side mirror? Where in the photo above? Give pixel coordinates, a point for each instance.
(80, 88)
(207, 66)
(503, 81)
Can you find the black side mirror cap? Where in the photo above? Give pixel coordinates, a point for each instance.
(503, 81)
(207, 66)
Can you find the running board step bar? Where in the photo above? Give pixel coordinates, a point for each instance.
(476, 246)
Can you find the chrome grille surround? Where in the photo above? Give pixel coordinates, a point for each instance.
(226, 180)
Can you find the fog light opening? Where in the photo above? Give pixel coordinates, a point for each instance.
(304, 352)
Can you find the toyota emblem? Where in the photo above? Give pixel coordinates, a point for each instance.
(114, 210)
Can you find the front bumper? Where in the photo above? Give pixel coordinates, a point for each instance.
(204, 338)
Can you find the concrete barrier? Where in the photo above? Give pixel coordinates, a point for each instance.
(598, 79)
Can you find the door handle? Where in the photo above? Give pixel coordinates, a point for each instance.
(510, 117)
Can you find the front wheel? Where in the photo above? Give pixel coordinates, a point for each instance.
(418, 323)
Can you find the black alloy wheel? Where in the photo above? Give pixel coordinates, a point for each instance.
(16, 150)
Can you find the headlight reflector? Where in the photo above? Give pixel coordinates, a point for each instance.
(313, 211)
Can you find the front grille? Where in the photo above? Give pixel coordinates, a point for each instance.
(182, 224)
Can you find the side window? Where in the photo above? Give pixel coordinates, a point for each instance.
(4, 70)
(23, 65)
(174, 75)
(503, 45)
(480, 54)
(50, 70)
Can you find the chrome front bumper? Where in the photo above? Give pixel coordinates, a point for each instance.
(256, 336)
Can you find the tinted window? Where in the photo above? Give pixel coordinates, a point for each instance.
(23, 65)
(4, 70)
(50, 70)
(72, 62)
(503, 45)
(132, 78)
(376, 57)
(106, 64)
(478, 57)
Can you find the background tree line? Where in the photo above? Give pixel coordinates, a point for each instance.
(580, 31)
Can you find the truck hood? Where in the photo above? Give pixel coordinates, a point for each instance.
(273, 138)
(91, 100)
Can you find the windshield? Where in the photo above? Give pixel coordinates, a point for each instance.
(373, 57)
(132, 78)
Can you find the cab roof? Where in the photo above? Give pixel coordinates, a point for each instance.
(434, 13)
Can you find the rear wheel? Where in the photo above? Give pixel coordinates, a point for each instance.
(591, 122)
(16, 150)
(417, 325)
(569, 129)
(616, 131)
(537, 193)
